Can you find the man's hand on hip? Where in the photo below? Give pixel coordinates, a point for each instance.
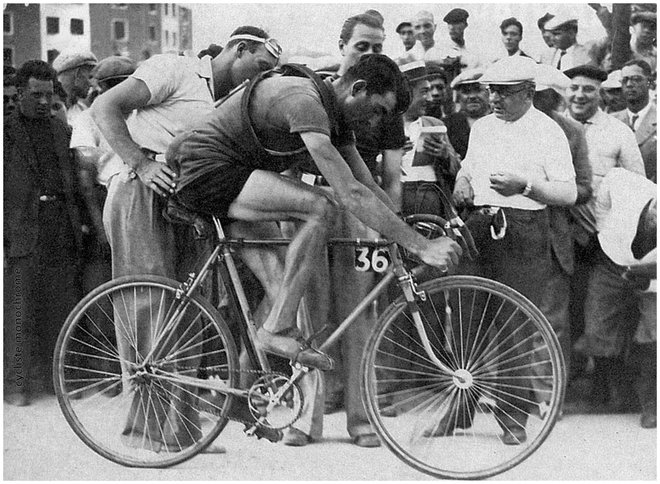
(157, 176)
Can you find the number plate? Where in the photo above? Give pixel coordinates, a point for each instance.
(371, 259)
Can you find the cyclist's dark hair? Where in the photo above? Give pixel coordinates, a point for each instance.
(38, 69)
(362, 19)
(509, 22)
(645, 66)
(382, 75)
(248, 30)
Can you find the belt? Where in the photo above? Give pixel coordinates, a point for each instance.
(50, 198)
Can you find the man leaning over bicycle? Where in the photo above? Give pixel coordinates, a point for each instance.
(225, 172)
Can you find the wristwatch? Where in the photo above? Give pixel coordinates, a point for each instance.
(528, 189)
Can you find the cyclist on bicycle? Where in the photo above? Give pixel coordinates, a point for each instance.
(222, 174)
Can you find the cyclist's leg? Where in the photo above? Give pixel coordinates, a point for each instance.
(268, 196)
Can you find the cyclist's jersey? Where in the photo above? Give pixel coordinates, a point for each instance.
(280, 110)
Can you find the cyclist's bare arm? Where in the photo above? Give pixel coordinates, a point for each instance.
(369, 208)
(109, 112)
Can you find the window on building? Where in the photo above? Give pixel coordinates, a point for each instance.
(77, 26)
(52, 25)
(51, 55)
(8, 23)
(167, 38)
(122, 6)
(174, 10)
(174, 39)
(152, 32)
(119, 30)
(8, 56)
(153, 8)
(167, 8)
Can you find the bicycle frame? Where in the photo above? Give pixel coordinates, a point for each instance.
(222, 252)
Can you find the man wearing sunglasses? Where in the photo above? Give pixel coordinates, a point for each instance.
(139, 118)
(518, 162)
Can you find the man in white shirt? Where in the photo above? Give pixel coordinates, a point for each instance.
(74, 70)
(568, 53)
(518, 162)
(166, 95)
(641, 113)
(512, 34)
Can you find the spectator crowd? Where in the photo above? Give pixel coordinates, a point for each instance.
(552, 163)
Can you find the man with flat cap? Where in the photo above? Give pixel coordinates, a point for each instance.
(472, 105)
(610, 144)
(567, 52)
(406, 34)
(74, 69)
(509, 176)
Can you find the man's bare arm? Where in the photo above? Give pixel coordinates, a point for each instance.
(369, 209)
(109, 111)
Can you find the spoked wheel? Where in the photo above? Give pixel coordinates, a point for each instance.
(137, 406)
(497, 402)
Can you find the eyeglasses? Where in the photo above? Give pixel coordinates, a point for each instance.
(633, 79)
(272, 46)
(504, 91)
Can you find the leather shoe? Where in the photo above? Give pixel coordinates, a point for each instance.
(296, 438)
(17, 399)
(513, 436)
(367, 440)
(272, 435)
(294, 350)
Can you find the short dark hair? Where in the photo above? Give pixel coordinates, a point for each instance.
(645, 66)
(382, 75)
(509, 22)
(376, 14)
(540, 23)
(361, 19)
(248, 30)
(38, 69)
(212, 50)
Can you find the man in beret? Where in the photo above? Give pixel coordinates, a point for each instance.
(164, 96)
(640, 112)
(610, 144)
(568, 52)
(406, 34)
(643, 33)
(509, 176)
(74, 70)
(441, 101)
(472, 105)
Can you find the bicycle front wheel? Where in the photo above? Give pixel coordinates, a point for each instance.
(130, 366)
(472, 391)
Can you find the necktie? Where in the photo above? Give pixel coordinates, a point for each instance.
(634, 119)
(561, 54)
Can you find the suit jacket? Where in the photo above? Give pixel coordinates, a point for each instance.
(561, 237)
(647, 139)
(21, 186)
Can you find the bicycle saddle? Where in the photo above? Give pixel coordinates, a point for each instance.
(174, 212)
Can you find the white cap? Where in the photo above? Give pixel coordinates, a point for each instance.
(559, 21)
(510, 70)
(613, 80)
(547, 77)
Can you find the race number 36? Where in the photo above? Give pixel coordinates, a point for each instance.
(371, 259)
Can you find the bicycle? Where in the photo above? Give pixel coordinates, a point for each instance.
(452, 364)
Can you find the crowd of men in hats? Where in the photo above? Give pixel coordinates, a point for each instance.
(552, 161)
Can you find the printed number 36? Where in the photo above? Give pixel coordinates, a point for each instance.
(368, 258)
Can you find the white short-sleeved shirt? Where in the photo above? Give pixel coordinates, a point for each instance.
(534, 147)
(611, 144)
(181, 94)
(87, 134)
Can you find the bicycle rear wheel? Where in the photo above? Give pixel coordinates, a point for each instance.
(137, 407)
(500, 400)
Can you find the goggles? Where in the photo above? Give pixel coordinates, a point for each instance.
(272, 46)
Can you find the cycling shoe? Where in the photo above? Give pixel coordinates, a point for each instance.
(294, 349)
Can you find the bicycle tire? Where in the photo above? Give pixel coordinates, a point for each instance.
(143, 421)
(513, 378)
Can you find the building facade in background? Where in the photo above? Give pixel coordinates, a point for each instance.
(136, 30)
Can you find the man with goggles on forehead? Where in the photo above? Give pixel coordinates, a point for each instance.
(139, 118)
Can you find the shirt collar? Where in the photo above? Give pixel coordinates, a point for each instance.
(641, 113)
(204, 69)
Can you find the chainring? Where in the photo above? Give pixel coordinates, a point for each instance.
(269, 409)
